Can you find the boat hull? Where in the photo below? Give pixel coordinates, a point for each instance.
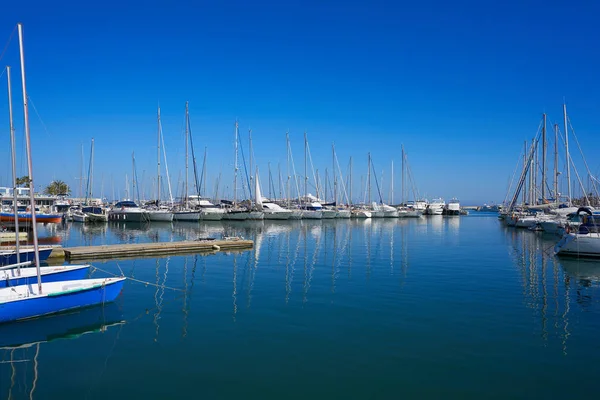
(235, 216)
(256, 215)
(48, 274)
(186, 216)
(93, 217)
(343, 214)
(24, 302)
(328, 214)
(579, 245)
(310, 214)
(296, 214)
(211, 215)
(278, 215)
(79, 217)
(158, 216)
(10, 257)
(362, 214)
(128, 216)
(26, 217)
(390, 214)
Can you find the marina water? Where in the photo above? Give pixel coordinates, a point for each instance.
(452, 307)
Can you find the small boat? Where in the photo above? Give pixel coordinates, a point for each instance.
(41, 218)
(28, 276)
(275, 211)
(452, 208)
(361, 213)
(207, 210)
(26, 301)
(8, 257)
(312, 210)
(585, 241)
(436, 207)
(127, 211)
(78, 216)
(95, 214)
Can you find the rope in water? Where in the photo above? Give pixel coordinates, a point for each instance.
(94, 268)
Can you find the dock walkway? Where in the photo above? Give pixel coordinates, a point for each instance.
(137, 250)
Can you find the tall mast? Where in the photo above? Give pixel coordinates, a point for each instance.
(334, 173)
(524, 169)
(369, 177)
(90, 190)
(29, 163)
(235, 163)
(305, 167)
(392, 185)
(81, 195)
(133, 177)
(403, 173)
(544, 160)
(288, 195)
(13, 156)
(556, 163)
(567, 150)
(280, 181)
(250, 151)
(158, 158)
(187, 117)
(350, 189)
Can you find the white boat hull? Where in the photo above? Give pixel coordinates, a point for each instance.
(390, 214)
(79, 217)
(91, 217)
(212, 214)
(278, 215)
(328, 214)
(377, 214)
(160, 216)
(186, 216)
(582, 245)
(526, 222)
(296, 214)
(311, 214)
(235, 216)
(124, 216)
(362, 214)
(343, 214)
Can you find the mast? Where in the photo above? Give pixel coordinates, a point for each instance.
(544, 160)
(556, 163)
(250, 151)
(350, 182)
(524, 169)
(235, 163)
(29, 162)
(81, 175)
(335, 199)
(369, 177)
(392, 185)
(13, 156)
(403, 173)
(158, 159)
(133, 177)
(88, 193)
(567, 150)
(305, 167)
(187, 116)
(288, 195)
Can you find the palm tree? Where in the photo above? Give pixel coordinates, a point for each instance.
(23, 181)
(56, 188)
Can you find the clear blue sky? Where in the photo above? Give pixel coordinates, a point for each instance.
(462, 84)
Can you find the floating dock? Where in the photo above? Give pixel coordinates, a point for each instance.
(139, 250)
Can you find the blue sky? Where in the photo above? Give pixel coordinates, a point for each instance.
(460, 84)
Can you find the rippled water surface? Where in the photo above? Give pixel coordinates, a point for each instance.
(457, 307)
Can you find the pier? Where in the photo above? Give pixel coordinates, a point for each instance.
(139, 250)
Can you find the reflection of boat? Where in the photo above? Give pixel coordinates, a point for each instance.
(70, 325)
(28, 276)
(582, 268)
(26, 301)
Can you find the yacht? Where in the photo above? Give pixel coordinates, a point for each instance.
(275, 211)
(389, 211)
(452, 208)
(362, 212)
(436, 207)
(207, 210)
(329, 211)
(127, 211)
(343, 213)
(313, 210)
(376, 210)
(583, 242)
(95, 214)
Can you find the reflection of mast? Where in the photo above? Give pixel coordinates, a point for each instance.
(185, 294)
(234, 291)
(35, 370)
(159, 298)
(544, 293)
(566, 313)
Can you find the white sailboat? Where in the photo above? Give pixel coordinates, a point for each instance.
(158, 213)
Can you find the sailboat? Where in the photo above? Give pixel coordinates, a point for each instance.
(28, 301)
(157, 213)
(311, 208)
(232, 211)
(91, 213)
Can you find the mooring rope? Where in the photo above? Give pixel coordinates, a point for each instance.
(94, 268)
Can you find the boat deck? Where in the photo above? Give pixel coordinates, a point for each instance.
(139, 250)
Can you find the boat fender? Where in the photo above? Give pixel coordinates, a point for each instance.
(216, 247)
(568, 229)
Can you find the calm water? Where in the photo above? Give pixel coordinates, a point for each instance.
(457, 307)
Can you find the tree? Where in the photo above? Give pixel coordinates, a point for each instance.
(23, 181)
(56, 188)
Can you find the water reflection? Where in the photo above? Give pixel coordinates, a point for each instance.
(551, 286)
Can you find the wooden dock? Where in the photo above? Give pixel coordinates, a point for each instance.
(139, 250)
